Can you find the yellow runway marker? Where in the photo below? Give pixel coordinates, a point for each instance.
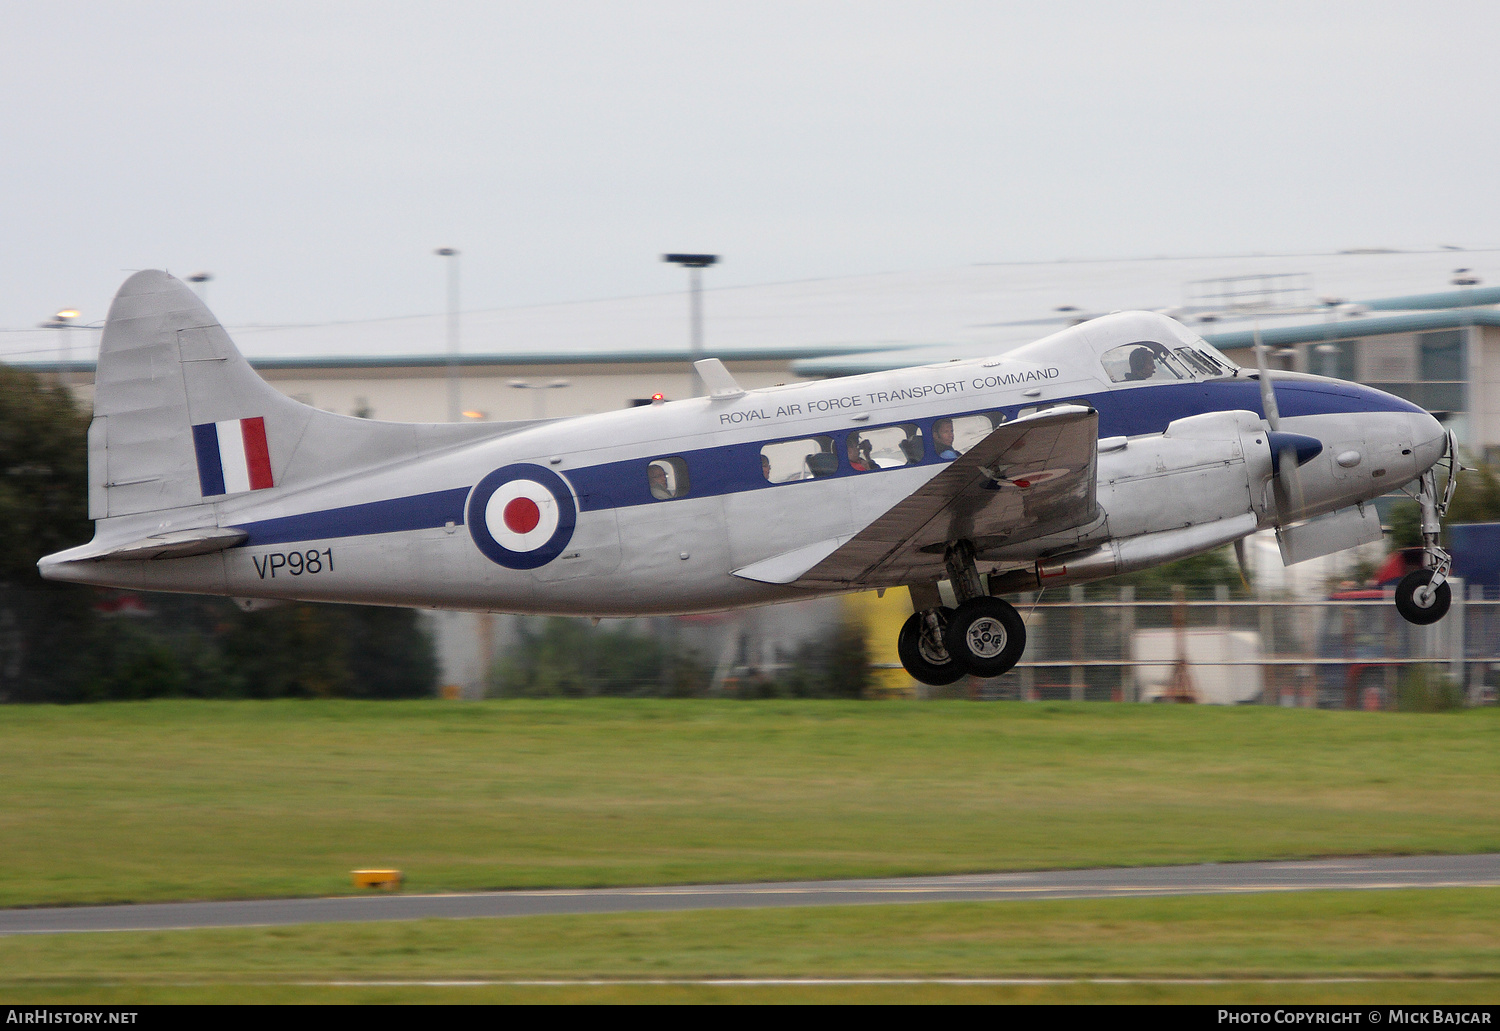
(388, 880)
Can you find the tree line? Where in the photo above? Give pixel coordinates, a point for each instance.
(73, 643)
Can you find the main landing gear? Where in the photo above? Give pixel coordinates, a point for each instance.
(1423, 595)
(983, 636)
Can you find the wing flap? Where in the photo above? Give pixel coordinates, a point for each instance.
(788, 566)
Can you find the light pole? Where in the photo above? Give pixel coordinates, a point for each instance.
(455, 411)
(1466, 280)
(694, 263)
(63, 320)
(539, 394)
(200, 281)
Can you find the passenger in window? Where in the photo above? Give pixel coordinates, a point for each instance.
(657, 477)
(821, 464)
(765, 468)
(942, 439)
(859, 454)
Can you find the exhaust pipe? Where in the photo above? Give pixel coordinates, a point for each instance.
(1125, 556)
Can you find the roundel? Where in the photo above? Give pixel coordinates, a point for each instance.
(521, 516)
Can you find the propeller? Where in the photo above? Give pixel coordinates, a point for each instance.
(1289, 451)
(1239, 556)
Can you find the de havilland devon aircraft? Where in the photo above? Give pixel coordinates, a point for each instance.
(1117, 444)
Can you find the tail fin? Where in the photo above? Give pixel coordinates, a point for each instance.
(182, 420)
(169, 377)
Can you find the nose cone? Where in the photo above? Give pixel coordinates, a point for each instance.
(1429, 440)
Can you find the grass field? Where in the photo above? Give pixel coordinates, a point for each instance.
(1427, 946)
(185, 800)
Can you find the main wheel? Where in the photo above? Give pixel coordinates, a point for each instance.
(986, 636)
(1413, 606)
(927, 660)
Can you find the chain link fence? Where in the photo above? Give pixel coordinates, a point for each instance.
(1351, 650)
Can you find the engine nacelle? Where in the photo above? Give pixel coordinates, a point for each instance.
(1195, 487)
(1202, 469)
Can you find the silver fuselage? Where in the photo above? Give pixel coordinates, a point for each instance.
(405, 533)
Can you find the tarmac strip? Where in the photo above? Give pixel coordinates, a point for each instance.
(1114, 882)
(817, 982)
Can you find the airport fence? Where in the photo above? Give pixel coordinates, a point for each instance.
(1350, 650)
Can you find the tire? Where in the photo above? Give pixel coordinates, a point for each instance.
(986, 636)
(1413, 611)
(920, 660)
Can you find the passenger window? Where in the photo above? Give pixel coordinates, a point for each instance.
(952, 437)
(805, 459)
(1142, 361)
(667, 478)
(886, 447)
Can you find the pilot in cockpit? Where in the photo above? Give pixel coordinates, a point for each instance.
(1142, 364)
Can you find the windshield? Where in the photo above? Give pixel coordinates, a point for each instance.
(1201, 362)
(1143, 361)
(1215, 355)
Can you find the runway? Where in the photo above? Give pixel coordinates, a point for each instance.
(1204, 879)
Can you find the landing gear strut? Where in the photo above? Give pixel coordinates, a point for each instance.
(983, 636)
(1423, 596)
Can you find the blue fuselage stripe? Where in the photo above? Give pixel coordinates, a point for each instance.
(735, 468)
(419, 512)
(1123, 412)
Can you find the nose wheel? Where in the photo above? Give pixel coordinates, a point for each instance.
(1423, 595)
(1419, 600)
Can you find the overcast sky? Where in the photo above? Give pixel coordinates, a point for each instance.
(312, 155)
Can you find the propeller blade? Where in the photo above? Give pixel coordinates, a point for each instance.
(1239, 556)
(1267, 394)
(1289, 452)
(1291, 487)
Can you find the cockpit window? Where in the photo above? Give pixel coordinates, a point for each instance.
(1214, 355)
(1142, 361)
(1199, 362)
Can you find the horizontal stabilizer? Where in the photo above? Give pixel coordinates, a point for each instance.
(176, 544)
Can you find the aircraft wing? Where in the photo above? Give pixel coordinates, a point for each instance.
(1029, 478)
